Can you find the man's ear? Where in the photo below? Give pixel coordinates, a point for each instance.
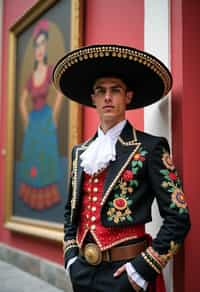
(129, 96)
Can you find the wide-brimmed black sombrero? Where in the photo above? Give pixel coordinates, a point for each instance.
(75, 74)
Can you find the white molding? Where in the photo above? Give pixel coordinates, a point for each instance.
(157, 42)
(157, 117)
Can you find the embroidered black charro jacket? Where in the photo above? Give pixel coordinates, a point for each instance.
(142, 171)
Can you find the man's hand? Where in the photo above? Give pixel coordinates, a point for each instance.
(121, 270)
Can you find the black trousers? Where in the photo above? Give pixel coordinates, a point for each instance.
(87, 278)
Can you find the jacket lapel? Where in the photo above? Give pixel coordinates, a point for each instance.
(77, 177)
(78, 168)
(126, 147)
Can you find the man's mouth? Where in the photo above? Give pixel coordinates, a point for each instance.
(108, 107)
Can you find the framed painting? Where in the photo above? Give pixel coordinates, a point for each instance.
(42, 125)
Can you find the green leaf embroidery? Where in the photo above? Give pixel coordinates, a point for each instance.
(140, 164)
(164, 172)
(134, 163)
(172, 205)
(171, 190)
(110, 204)
(129, 218)
(135, 183)
(167, 178)
(135, 170)
(181, 210)
(129, 202)
(131, 183)
(116, 187)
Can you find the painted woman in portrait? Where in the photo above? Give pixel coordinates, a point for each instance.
(40, 171)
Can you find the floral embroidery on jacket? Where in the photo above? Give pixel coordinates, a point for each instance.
(172, 183)
(119, 208)
(167, 160)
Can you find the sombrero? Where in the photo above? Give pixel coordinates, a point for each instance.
(75, 74)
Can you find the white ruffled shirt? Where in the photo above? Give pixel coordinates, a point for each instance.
(102, 150)
(97, 157)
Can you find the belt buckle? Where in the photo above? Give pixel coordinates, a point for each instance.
(92, 254)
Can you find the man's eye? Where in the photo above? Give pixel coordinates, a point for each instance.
(116, 89)
(99, 91)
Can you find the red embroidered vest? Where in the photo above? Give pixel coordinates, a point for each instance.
(90, 220)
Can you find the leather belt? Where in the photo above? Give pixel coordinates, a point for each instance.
(94, 256)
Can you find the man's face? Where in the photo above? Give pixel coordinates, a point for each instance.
(111, 98)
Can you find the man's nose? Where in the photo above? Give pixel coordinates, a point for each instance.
(108, 95)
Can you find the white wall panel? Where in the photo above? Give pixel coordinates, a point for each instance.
(157, 117)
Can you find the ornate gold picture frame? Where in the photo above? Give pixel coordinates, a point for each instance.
(42, 125)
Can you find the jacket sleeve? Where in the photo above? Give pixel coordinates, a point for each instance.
(70, 246)
(166, 186)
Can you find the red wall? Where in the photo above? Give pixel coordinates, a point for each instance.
(112, 21)
(186, 139)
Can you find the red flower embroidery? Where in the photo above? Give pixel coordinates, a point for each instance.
(120, 203)
(128, 175)
(172, 176)
(142, 158)
(33, 171)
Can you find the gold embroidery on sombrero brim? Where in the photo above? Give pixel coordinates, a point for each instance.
(106, 51)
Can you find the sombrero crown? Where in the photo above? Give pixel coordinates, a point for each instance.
(76, 72)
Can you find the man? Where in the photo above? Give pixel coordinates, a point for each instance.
(117, 173)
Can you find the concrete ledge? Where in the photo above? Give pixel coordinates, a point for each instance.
(13, 279)
(48, 271)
